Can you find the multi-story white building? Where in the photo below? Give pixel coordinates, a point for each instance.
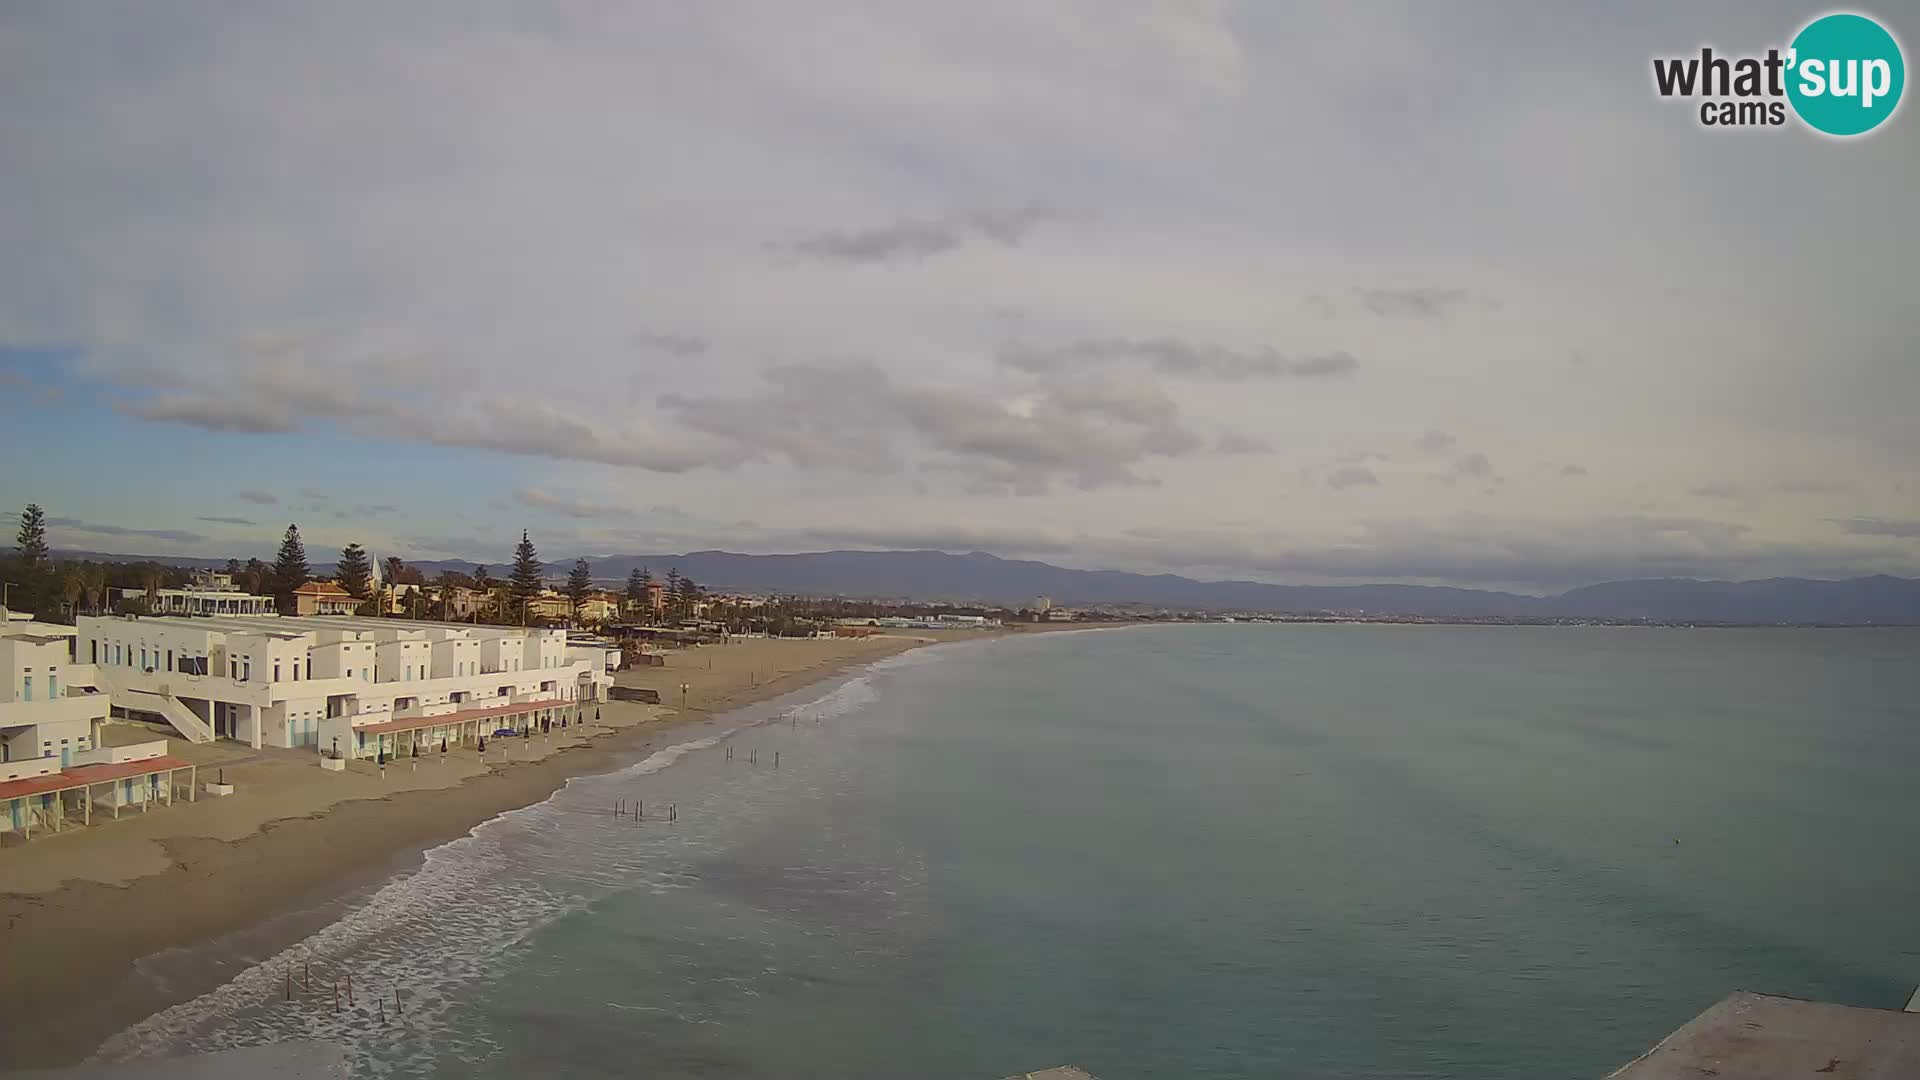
(53, 768)
(46, 709)
(359, 685)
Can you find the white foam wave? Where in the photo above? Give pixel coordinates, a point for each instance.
(462, 917)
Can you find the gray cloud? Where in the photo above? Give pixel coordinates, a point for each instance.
(1361, 457)
(1234, 442)
(1181, 359)
(560, 504)
(1867, 526)
(1426, 303)
(1479, 550)
(1435, 442)
(1475, 465)
(677, 345)
(1090, 432)
(212, 414)
(177, 536)
(226, 520)
(919, 238)
(263, 498)
(1352, 476)
(278, 387)
(1573, 470)
(1810, 487)
(958, 539)
(1718, 491)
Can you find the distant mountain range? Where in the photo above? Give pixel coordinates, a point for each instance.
(937, 576)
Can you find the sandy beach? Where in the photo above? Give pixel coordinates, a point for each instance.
(80, 908)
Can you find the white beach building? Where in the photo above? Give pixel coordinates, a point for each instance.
(53, 768)
(358, 685)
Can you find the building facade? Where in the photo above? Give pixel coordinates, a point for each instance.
(323, 598)
(332, 682)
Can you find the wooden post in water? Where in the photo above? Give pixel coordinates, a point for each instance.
(397, 1010)
(306, 974)
(289, 982)
(349, 989)
(776, 759)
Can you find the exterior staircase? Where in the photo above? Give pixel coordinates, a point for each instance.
(161, 704)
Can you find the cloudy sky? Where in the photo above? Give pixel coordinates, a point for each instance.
(1303, 293)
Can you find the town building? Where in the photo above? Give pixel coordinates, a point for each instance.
(402, 598)
(600, 607)
(1041, 604)
(323, 598)
(357, 685)
(463, 603)
(548, 605)
(198, 601)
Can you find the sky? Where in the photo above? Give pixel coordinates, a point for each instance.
(1302, 293)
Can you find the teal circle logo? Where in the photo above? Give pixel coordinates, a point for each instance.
(1845, 74)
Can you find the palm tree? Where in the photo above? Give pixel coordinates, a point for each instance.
(150, 579)
(73, 583)
(95, 577)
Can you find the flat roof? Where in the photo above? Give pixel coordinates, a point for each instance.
(1763, 1037)
(87, 775)
(413, 723)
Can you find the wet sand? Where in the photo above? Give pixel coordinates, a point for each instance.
(81, 908)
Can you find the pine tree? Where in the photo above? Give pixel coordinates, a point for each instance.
(636, 586)
(33, 539)
(394, 569)
(579, 586)
(233, 568)
(527, 577)
(355, 572)
(672, 591)
(687, 597)
(290, 570)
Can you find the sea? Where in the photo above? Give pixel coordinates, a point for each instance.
(1246, 850)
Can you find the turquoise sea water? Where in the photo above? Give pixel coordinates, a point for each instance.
(1216, 851)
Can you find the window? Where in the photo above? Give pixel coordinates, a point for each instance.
(169, 659)
(53, 686)
(143, 657)
(95, 644)
(246, 670)
(349, 673)
(26, 693)
(276, 671)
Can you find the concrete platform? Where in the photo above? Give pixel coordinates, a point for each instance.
(1758, 1037)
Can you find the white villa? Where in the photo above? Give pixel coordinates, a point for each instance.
(358, 685)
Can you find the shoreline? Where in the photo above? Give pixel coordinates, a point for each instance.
(76, 950)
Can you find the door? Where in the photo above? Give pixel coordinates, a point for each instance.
(66, 756)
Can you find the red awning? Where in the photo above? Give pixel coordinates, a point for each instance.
(87, 775)
(415, 723)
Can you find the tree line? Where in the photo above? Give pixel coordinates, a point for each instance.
(51, 590)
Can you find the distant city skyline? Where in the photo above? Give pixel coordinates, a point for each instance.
(1380, 293)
